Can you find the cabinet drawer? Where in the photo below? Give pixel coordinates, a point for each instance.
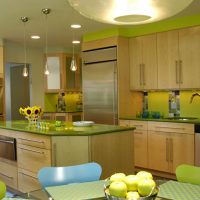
(171, 127)
(32, 158)
(34, 140)
(140, 125)
(124, 123)
(8, 173)
(27, 181)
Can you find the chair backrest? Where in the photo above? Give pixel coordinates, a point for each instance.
(188, 174)
(2, 190)
(53, 176)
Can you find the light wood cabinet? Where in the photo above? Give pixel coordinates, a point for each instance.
(61, 78)
(178, 59)
(169, 145)
(33, 153)
(140, 142)
(143, 62)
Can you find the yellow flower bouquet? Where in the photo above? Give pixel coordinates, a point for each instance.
(31, 113)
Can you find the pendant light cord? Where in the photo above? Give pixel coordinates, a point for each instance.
(25, 44)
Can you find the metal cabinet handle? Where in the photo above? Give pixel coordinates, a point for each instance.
(7, 141)
(34, 151)
(27, 175)
(54, 155)
(143, 74)
(177, 72)
(172, 128)
(167, 149)
(140, 66)
(181, 71)
(10, 177)
(171, 150)
(139, 133)
(30, 140)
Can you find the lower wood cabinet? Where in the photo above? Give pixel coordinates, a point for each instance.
(8, 173)
(162, 146)
(112, 150)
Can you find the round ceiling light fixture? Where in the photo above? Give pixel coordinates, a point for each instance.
(124, 12)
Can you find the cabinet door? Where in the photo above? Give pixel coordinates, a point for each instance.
(72, 80)
(168, 60)
(124, 123)
(136, 63)
(189, 47)
(140, 149)
(182, 147)
(143, 62)
(158, 151)
(54, 80)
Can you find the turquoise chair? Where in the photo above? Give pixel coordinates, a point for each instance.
(188, 174)
(2, 190)
(54, 176)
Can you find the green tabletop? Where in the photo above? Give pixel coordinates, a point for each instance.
(78, 191)
(66, 129)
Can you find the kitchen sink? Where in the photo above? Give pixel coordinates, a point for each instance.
(181, 118)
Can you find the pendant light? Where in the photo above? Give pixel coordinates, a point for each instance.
(25, 69)
(46, 11)
(73, 65)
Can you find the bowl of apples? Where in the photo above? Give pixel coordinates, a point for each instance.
(140, 186)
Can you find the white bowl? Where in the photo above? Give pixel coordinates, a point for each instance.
(83, 123)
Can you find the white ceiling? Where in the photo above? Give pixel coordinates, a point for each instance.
(59, 21)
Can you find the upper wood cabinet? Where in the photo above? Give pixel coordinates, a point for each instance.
(143, 62)
(178, 59)
(61, 78)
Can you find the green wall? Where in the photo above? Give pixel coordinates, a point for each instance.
(158, 101)
(131, 31)
(51, 99)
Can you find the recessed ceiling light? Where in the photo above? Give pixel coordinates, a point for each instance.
(75, 26)
(129, 11)
(35, 37)
(75, 41)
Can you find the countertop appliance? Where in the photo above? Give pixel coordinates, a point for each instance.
(99, 77)
(197, 145)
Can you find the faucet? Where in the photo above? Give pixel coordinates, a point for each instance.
(192, 97)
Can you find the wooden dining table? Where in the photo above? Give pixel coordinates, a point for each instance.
(168, 190)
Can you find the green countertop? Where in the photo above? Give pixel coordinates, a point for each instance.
(192, 121)
(66, 129)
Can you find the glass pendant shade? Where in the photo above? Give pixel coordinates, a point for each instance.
(46, 72)
(73, 65)
(25, 71)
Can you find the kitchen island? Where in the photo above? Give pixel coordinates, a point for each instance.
(110, 146)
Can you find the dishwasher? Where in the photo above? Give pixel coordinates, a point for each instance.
(197, 145)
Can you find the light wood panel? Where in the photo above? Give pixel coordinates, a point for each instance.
(8, 173)
(143, 62)
(114, 152)
(168, 58)
(189, 47)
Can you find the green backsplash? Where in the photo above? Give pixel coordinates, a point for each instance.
(158, 101)
(50, 101)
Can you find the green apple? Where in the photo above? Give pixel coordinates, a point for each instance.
(146, 186)
(144, 174)
(118, 189)
(117, 177)
(132, 195)
(131, 182)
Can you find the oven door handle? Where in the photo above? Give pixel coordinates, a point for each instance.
(7, 141)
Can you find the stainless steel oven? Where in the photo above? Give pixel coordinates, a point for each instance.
(8, 148)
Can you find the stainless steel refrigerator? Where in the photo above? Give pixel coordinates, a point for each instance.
(99, 76)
